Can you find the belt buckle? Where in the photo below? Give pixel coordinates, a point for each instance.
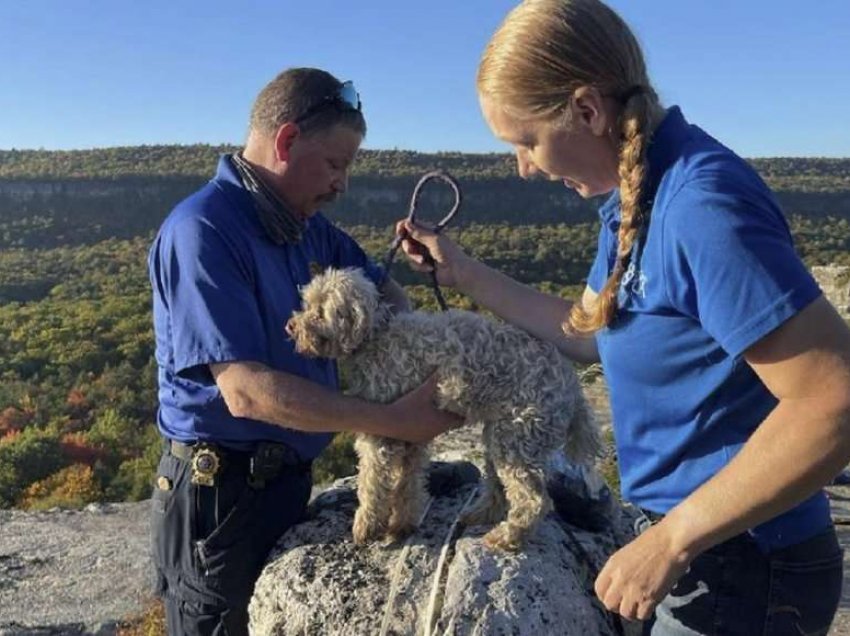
(206, 463)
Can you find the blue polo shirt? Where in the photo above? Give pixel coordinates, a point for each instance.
(222, 292)
(714, 272)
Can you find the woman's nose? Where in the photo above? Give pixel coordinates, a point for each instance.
(525, 168)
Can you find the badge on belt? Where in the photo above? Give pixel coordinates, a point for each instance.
(206, 463)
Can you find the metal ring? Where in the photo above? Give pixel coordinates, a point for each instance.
(443, 176)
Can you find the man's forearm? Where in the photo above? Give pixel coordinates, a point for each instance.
(537, 313)
(252, 390)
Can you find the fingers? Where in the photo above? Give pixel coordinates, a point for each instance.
(416, 244)
(621, 600)
(416, 254)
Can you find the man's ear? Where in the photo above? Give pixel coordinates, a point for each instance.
(283, 140)
(588, 107)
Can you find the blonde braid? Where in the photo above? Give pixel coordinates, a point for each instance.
(635, 123)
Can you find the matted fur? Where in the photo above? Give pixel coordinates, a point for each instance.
(523, 390)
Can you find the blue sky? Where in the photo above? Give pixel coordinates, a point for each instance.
(766, 77)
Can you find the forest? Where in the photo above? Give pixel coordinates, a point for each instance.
(77, 377)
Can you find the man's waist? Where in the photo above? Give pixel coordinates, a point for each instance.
(262, 462)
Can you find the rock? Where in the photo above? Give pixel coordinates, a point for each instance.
(834, 280)
(441, 580)
(73, 571)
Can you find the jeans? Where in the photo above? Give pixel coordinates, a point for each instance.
(734, 588)
(210, 543)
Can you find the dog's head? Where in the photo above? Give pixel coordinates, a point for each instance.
(340, 309)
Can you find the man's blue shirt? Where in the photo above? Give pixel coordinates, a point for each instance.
(222, 292)
(714, 273)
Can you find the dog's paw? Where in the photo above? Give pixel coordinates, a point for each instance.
(400, 531)
(504, 537)
(365, 529)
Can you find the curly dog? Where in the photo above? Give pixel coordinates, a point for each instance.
(523, 390)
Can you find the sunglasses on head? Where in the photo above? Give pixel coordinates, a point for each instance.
(346, 98)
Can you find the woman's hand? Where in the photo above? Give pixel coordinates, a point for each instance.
(416, 416)
(640, 574)
(418, 241)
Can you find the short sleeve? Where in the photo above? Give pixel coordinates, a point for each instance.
(207, 287)
(730, 263)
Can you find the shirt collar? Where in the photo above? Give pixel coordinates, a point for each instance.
(664, 148)
(231, 183)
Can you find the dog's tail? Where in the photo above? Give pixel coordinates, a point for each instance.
(584, 442)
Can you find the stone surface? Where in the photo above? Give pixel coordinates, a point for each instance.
(441, 580)
(73, 572)
(81, 572)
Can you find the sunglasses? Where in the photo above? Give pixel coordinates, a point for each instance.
(345, 99)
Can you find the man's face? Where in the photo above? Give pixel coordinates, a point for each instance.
(317, 168)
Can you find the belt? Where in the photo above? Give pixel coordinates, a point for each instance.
(654, 517)
(265, 462)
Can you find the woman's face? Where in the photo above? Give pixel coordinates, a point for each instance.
(583, 155)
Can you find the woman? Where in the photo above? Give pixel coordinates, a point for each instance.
(729, 372)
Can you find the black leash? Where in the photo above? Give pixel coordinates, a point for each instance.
(411, 217)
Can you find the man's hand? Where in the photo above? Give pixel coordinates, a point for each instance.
(638, 576)
(417, 416)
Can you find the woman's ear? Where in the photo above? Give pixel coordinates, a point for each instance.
(588, 108)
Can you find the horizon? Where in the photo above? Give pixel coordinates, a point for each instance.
(762, 77)
(501, 153)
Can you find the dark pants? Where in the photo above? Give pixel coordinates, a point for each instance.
(210, 542)
(734, 588)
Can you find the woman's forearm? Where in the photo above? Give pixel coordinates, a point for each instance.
(537, 313)
(800, 447)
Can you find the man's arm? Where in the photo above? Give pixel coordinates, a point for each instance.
(253, 390)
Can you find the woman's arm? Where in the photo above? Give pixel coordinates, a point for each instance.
(538, 313)
(802, 444)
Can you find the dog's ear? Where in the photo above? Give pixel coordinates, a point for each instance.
(355, 316)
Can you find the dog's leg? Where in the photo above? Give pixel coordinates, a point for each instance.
(410, 494)
(490, 505)
(528, 503)
(374, 488)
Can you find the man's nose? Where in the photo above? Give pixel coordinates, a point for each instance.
(340, 186)
(289, 327)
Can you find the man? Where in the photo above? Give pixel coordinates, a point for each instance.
(241, 413)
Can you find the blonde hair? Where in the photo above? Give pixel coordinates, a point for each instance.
(539, 56)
